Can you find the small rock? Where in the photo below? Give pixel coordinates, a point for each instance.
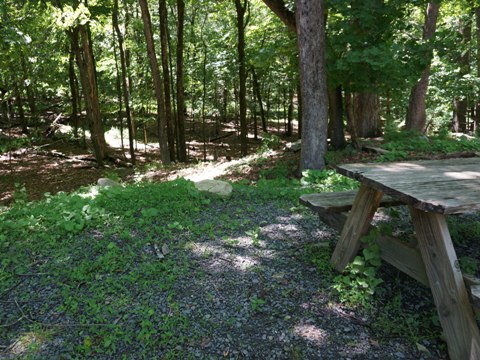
(399, 355)
(422, 349)
(104, 182)
(165, 249)
(215, 187)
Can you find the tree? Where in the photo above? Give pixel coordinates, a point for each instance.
(157, 82)
(162, 5)
(460, 102)
(241, 9)
(311, 46)
(182, 147)
(416, 114)
(125, 87)
(76, 21)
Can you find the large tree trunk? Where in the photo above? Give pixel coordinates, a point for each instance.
(182, 145)
(461, 104)
(86, 66)
(162, 5)
(258, 94)
(125, 87)
(416, 116)
(366, 114)
(311, 45)
(241, 8)
(157, 82)
(335, 111)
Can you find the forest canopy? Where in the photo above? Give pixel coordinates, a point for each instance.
(162, 68)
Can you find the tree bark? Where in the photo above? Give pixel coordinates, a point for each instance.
(258, 94)
(125, 87)
(241, 9)
(21, 112)
(477, 34)
(416, 116)
(366, 114)
(311, 45)
(87, 71)
(73, 92)
(182, 146)
(460, 103)
(300, 110)
(290, 112)
(335, 112)
(157, 82)
(162, 5)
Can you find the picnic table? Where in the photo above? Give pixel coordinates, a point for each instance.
(432, 189)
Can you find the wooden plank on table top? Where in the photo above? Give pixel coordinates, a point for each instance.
(444, 189)
(413, 164)
(443, 197)
(407, 170)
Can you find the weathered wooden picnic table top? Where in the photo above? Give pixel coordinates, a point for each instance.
(442, 186)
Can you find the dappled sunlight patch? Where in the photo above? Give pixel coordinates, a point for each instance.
(311, 333)
(91, 193)
(27, 342)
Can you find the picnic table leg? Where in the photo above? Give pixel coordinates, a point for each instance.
(357, 224)
(447, 285)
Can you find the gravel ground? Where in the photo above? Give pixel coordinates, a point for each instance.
(254, 296)
(297, 318)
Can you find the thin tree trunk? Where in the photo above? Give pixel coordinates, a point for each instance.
(290, 113)
(350, 120)
(118, 87)
(28, 87)
(241, 9)
(73, 92)
(86, 66)
(204, 98)
(162, 5)
(335, 111)
(416, 115)
(461, 104)
(311, 45)
(477, 33)
(21, 112)
(299, 110)
(125, 87)
(157, 82)
(182, 145)
(258, 93)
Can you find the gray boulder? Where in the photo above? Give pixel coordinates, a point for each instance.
(215, 187)
(104, 182)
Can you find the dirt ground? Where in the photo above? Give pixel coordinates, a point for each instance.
(59, 164)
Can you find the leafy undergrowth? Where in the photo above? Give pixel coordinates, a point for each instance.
(88, 265)
(89, 270)
(410, 145)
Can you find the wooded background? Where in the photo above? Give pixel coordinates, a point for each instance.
(164, 67)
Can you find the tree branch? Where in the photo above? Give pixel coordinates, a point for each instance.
(285, 15)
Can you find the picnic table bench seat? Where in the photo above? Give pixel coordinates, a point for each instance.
(338, 201)
(332, 207)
